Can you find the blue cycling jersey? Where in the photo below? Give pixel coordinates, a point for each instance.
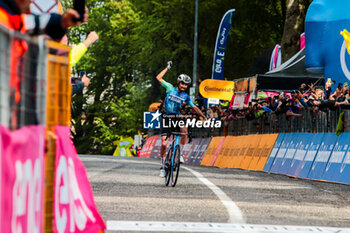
(174, 99)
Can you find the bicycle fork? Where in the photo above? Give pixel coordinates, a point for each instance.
(176, 142)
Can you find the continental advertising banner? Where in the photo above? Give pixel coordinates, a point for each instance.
(217, 89)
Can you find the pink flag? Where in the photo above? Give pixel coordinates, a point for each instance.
(302, 41)
(74, 206)
(22, 179)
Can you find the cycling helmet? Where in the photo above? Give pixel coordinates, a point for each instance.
(184, 78)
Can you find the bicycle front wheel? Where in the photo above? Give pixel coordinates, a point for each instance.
(167, 166)
(175, 166)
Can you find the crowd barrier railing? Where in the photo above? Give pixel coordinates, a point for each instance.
(22, 90)
(58, 110)
(37, 92)
(311, 122)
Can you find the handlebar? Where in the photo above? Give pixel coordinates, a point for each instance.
(168, 135)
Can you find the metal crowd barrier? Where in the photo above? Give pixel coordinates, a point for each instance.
(5, 39)
(323, 122)
(58, 110)
(28, 108)
(45, 95)
(311, 122)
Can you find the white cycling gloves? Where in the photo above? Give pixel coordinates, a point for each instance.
(170, 63)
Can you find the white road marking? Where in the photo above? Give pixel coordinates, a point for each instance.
(235, 214)
(215, 227)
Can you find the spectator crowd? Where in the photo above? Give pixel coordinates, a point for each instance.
(317, 99)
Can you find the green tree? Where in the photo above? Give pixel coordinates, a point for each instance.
(116, 97)
(293, 27)
(138, 37)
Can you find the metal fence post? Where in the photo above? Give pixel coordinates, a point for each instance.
(5, 46)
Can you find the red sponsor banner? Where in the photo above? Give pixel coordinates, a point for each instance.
(74, 206)
(22, 179)
(147, 148)
(155, 152)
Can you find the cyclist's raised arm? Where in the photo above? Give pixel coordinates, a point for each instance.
(161, 75)
(163, 72)
(198, 111)
(195, 108)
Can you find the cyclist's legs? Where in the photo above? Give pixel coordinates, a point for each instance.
(162, 156)
(163, 146)
(183, 138)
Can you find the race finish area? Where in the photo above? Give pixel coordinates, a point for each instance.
(132, 198)
(214, 227)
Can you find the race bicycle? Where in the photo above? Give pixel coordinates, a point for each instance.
(172, 159)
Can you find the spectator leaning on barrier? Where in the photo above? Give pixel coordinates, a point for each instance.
(311, 98)
(210, 112)
(344, 100)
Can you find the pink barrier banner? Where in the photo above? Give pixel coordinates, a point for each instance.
(74, 206)
(22, 179)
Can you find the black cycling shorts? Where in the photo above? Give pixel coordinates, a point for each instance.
(167, 123)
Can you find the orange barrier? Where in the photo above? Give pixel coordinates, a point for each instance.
(231, 152)
(246, 152)
(236, 146)
(209, 154)
(252, 147)
(225, 152)
(243, 143)
(259, 150)
(58, 107)
(269, 142)
(216, 155)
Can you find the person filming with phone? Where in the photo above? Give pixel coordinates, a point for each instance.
(79, 83)
(76, 53)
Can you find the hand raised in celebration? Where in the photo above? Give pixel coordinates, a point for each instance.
(170, 63)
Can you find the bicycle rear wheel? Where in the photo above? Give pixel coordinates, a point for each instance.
(167, 166)
(175, 166)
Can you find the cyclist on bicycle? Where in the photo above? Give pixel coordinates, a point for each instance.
(175, 97)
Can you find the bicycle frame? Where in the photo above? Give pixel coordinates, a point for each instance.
(173, 159)
(173, 146)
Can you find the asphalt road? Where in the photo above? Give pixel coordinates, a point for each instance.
(132, 197)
